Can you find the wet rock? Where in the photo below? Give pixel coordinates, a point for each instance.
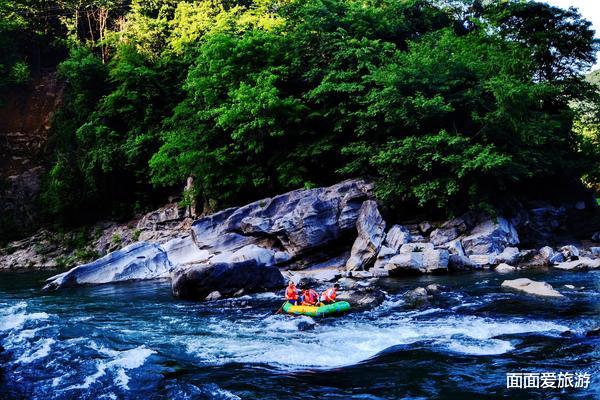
(567, 334)
(306, 282)
(306, 324)
(556, 258)
(347, 283)
(510, 255)
(458, 262)
(504, 268)
(569, 252)
(451, 229)
(570, 287)
(490, 236)
(213, 296)
(396, 237)
(581, 264)
(371, 232)
(362, 298)
(426, 227)
(416, 248)
(419, 293)
(546, 253)
(361, 274)
(595, 251)
(531, 287)
(199, 281)
(435, 288)
(593, 332)
(427, 261)
(137, 261)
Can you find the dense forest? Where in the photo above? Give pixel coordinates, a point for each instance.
(446, 105)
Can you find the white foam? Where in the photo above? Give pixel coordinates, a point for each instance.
(42, 350)
(121, 361)
(276, 340)
(15, 317)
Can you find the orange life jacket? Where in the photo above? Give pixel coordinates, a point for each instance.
(329, 295)
(291, 293)
(310, 297)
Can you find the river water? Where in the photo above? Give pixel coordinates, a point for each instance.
(135, 341)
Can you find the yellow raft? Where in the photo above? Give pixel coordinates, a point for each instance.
(315, 311)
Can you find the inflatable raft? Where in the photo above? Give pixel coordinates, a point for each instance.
(314, 311)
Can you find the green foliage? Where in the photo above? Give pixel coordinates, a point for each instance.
(446, 105)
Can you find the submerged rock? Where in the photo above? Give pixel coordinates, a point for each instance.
(504, 268)
(135, 262)
(532, 287)
(306, 324)
(581, 264)
(199, 281)
(371, 232)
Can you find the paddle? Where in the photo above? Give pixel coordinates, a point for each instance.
(280, 308)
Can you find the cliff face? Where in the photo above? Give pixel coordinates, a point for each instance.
(25, 122)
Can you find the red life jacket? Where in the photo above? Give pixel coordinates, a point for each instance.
(329, 295)
(291, 293)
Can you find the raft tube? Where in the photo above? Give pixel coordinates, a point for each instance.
(314, 311)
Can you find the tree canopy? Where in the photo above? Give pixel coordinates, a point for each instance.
(445, 105)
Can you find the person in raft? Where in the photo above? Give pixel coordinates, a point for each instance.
(291, 293)
(328, 296)
(309, 297)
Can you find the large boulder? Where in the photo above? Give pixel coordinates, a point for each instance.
(490, 236)
(135, 262)
(396, 237)
(371, 232)
(227, 278)
(424, 262)
(457, 262)
(297, 222)
(362, 298)
(531, 287)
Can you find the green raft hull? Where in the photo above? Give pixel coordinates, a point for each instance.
(314, 311)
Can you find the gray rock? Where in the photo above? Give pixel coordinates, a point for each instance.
(556, 258)
(260, 255)
(371, 231)
(416, 248)
(490, 236)
(595, 251)
(581, 264)
(137, 261)
(298, 222)
(199, 281)
(383, 257)
(455, 247)
(510, 255)
(593, 332)
(532, 287)
(546, 253)
(428, 261)
(362, 299)
(184, 251)
(213, 296)
(483, 259)
(425, 227)
(451, 229)
(416, 294)
(434, 288)
(396, 237)
(504, 268)
(458, 262)
(569, 252)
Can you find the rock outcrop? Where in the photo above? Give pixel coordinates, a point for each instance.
(138, 261)
(252, 241)
(532, 287)
(371, 232)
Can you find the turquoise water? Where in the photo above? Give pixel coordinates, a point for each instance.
(135, 341)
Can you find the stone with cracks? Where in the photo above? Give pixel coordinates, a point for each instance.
(371, 232)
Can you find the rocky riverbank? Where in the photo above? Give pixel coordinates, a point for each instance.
(321, 235)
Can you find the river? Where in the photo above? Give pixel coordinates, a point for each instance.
(136, 341)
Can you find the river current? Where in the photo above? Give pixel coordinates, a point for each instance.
(136, 341)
